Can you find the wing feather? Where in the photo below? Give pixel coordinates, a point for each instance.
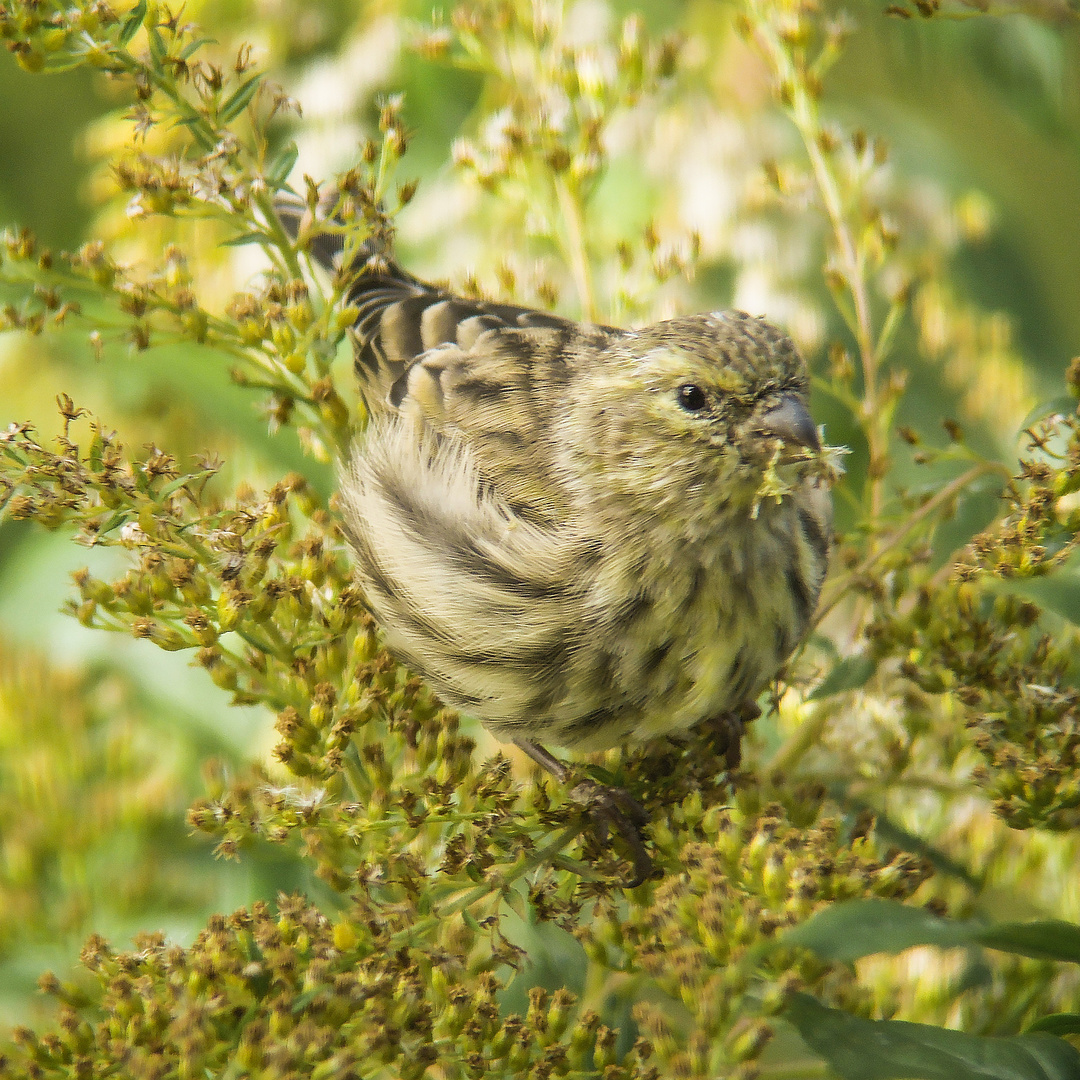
(487, 375)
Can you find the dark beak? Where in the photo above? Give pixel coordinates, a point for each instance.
(789, 420)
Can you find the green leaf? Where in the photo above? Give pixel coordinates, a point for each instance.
(851, 673)
(132, 23)
(1065, 405)
(1058, 591)
(279, 169)
(1058, 1024)
(64, 61)
(238, 100)
(256, 236)
(855, 928)
(1050, 939)
(182, 481)
(602, 775)
(190, 49)
(198, 128)
(861, 1049)
(113, 521)
(158, 49)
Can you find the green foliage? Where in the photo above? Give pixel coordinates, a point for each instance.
(901, 1050)
(114, 803)
(448, 876)
(857, 928)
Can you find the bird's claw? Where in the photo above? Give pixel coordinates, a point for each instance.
(727, 730)
(612, 808)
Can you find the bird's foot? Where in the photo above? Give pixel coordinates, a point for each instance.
(727, 731)
(611, 809)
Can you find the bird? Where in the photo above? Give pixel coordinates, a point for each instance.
(582, 535)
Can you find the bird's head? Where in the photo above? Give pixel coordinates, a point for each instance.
(700, 417)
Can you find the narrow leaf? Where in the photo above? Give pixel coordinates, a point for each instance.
(190, 49)
(196, 126)
(113, 521)
(1061, 406)
(132, 23)
(280, 168)
(1058, 591)
(158, 49)
(256, 236)
(240, 97)
(861, 1049)
(856, 928)
(182, 481)
(64, 62)
(1057, 1024)
(1051, 939)
(851, 673)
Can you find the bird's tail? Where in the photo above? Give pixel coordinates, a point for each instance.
(378, 288)
(399, 317)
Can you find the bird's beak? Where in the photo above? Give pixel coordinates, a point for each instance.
(789, 420)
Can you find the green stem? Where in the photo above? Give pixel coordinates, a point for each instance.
(838, 588)
(806, 735)
(508, 876)
(575, 246)
(282, 244)
(804, 114)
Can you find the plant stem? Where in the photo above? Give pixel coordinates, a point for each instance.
(803, 110)
(806, 735)
(576, 248)
(838, 588)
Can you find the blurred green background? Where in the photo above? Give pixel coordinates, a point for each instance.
(92, 799)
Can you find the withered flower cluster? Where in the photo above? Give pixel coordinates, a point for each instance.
(445, 868)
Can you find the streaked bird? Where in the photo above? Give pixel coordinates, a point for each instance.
(582, 535)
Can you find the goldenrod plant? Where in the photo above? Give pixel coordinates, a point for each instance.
(880, 887)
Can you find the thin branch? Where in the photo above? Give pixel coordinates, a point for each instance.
(838, 588)
(576, 249)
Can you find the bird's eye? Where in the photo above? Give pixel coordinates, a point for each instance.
(691, 398)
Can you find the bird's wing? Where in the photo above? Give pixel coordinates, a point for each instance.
(490, 375)
(400, 318)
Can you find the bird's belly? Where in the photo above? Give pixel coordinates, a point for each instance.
(715, 672)
(702, 645)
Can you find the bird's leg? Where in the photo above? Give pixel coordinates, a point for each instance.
(609, 807)
(546, 760)
(728, 729)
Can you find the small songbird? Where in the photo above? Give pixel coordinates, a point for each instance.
(582, 535)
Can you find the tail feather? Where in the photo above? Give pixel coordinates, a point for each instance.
(400, 317)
